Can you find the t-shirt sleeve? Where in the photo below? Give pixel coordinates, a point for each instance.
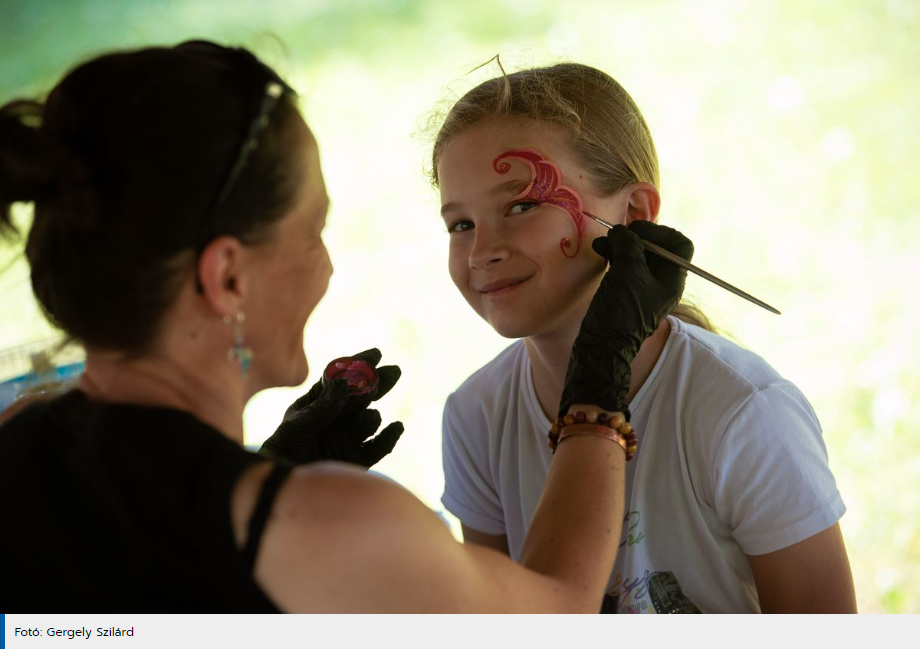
(469, 492)
(772, 482)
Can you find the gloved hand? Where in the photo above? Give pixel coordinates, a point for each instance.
(328, 424)
(637, 292)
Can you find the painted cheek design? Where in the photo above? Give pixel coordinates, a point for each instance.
(545, 188)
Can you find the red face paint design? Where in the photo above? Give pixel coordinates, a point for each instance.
(545, 188)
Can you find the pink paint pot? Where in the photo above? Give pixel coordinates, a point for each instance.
(361, 376)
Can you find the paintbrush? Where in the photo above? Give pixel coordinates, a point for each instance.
(665, 254)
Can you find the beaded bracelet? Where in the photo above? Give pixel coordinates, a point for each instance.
(613, 426)
(593, 429)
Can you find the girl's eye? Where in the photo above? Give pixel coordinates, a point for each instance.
(460, 226)
(521, 207)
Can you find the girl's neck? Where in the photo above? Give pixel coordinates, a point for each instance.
(549, 355)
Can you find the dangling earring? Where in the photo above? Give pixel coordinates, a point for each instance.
(239, 353)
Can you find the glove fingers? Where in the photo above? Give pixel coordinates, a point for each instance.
(371, 356)
(666, 273)
(364, 424)
(308, 398)
(375, 449)
(620, 243)
(602, 247)
(300, 428)
(665, 237)
(669, 276)
(329, 404)
(387, 378)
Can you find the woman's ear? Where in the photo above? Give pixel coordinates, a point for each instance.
(643, 202)
(220, 275)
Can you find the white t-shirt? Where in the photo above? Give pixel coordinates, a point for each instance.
(730, 463)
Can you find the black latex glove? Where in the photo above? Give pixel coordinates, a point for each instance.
(638, 291)
(328, 424)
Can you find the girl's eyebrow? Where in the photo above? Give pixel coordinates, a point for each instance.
(515, 185)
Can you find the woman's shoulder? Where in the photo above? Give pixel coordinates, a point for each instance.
(319, 492)
(314, 498)
(38, 421)
(330, 525)
(335, 488)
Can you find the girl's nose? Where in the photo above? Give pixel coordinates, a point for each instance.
(490, 248)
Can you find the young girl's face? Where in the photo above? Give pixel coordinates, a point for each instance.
(519, 262)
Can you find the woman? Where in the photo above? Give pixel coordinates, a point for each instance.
(731, 506)
(179, 205)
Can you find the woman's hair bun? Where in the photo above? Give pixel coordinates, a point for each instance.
(33, 166)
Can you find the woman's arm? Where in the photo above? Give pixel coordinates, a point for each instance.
(343, 541)
(498, 542)
(812, 576)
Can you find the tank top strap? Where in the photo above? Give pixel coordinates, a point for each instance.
(271, 486)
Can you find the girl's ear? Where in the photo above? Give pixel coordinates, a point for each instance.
(220, 274)
(643, 202)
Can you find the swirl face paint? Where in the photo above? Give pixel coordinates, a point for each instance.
(545, 189)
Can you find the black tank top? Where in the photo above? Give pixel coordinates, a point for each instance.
(116, 508)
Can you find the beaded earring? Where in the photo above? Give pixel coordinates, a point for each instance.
(239, 353)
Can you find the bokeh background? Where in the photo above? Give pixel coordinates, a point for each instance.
(788, 135)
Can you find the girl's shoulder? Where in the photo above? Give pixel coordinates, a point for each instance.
(718, 359)
(722, 390)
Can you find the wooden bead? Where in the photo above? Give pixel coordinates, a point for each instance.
(580, 417)
(592, 417)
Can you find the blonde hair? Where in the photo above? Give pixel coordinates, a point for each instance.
(607, 132)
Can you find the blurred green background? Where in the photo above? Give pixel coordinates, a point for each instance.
(788, 135)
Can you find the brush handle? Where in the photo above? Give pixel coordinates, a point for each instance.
(665, 254)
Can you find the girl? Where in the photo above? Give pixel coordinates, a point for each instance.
(730, 504)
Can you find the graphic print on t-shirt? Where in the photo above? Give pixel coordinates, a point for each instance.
(656, 592)
(631, 529)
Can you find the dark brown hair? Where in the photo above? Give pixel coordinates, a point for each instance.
(124, 162)
(608, 134)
